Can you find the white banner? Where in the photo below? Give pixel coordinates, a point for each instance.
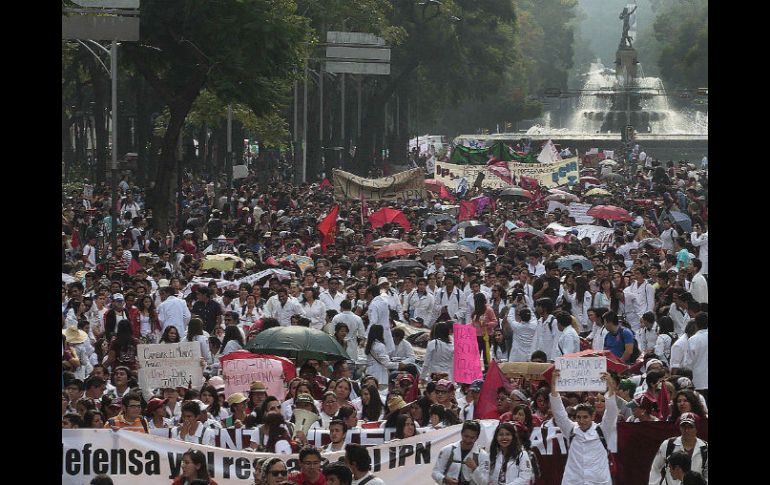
(578, 211)
(131, 458)
(599, 236)
(169, 365)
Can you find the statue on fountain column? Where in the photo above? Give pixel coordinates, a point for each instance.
(625, 15)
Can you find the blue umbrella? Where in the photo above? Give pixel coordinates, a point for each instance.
(472, 228)
(683, 220)
(476, 242)
(566, 262)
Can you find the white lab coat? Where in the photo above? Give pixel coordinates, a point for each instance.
(580, 309)
(518, 472)
(587, 462)
(597, 334)
(378, 363)
(379, 314)
(698, 356)
(523, 336)
(702, 243)
(545, 337)
(679, 357)
(699, 288)
(439, 357)
(454, 453)
(660, 460)
(453, 302)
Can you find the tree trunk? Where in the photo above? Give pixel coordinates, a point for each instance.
(99, 83)
(162, 198)
(373, 121)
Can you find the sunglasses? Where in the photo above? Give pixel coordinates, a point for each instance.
(279, 473)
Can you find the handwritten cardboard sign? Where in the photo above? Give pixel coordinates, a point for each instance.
(578, 374)
(240, 373)
(169, 365)
(467, 365)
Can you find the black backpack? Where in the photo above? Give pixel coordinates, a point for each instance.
(704, 451)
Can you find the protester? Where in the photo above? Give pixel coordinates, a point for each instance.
(194, 467)
(686, 442)
(394, 326)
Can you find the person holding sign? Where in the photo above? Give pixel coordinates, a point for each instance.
(588, 457)
(463, 462)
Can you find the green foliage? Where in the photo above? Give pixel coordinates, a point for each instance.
(536, 53)
(682, 28)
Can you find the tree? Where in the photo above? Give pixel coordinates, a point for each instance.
(242, 50)
(441, 53)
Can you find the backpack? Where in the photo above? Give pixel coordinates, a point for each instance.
(634, 353)
(704, 452)
(452, 460)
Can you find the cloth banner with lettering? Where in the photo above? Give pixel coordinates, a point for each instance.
(409, 184)
(600, 237)
(562, 172)
(273, 373)
(130, 457)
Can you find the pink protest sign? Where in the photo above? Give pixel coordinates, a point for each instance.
(240, 373)
(467, 365)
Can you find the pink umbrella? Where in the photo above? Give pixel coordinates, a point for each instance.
(610, 213)
(396, 249)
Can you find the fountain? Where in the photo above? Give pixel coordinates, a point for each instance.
(612, 100)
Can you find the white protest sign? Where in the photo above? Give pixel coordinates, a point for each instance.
(240, 373)
(169, 365)
(578, 374)
(578, 211)
(240, 172)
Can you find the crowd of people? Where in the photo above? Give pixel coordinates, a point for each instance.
(642, 296)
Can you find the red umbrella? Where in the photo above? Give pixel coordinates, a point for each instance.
(387, 215)
(396, 249)
(610, 212)
(613, 362)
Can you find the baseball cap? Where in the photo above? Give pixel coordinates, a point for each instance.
(476, 385)
(687, 418)
(118, 297)
(382, 280)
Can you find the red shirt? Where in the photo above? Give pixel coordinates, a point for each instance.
(299, 479)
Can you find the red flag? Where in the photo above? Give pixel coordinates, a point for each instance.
(467, 210)
(486, 405)
(133, 266)
(325, 183)
(328, 228)
(444, 194)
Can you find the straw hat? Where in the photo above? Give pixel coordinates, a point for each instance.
(236, 398)
(396, 403)
(74, 335)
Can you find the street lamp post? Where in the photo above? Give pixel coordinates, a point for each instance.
(114, 165)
